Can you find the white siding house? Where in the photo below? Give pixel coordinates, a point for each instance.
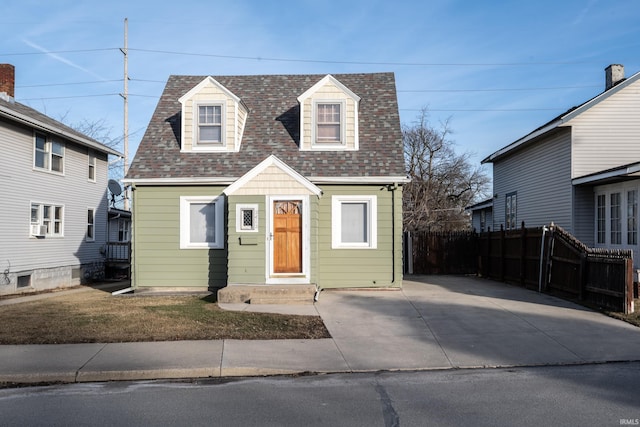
(581, 170)
(54, 183)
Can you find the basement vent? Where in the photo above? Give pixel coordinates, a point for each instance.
(24, 281)
(76, 273)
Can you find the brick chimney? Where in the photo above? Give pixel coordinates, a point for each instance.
(614, 74)
(7, 80)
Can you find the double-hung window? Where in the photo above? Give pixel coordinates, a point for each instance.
(48, 154)
(632, 217)
(354, 222)
(91, 225)
(201, 222)
(329, 127)
(92, 166)
(46, 220)
(209, 124)
(511, 205)
(615, 219)
(601, 219)
(123, 230)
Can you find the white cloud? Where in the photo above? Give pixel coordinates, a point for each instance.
(61, 59)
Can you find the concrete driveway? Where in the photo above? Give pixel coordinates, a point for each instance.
(458, 321)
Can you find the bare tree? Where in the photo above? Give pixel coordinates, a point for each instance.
(442, 181)
(100, 131)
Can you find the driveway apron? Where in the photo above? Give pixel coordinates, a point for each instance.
(438, 322)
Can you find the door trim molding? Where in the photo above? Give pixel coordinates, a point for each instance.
(288, 278)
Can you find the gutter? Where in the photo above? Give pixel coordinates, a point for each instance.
(563, 119)
(620, 172)
(533, 135)
(180, 181)
(21, 118)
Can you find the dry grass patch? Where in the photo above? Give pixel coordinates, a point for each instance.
(96, 316)
(633, 318)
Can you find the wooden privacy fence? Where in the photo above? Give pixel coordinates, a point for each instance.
(603, 277)
(545, 259)
(441, 252)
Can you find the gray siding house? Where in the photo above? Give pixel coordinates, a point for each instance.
(481, 216)
(54, 182)
(580, 170)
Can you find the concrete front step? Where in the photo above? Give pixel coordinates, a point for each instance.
(267, 294)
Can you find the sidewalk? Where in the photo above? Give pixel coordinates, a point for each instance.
(439, 322)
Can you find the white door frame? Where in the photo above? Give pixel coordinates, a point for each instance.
(289, 278)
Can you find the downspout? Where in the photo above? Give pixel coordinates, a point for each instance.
(393, 232)
(134, 259)
(314, 256)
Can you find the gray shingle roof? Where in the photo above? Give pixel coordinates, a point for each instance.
(272, 127)
(21, 113)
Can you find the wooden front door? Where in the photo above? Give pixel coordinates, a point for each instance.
(287, 236)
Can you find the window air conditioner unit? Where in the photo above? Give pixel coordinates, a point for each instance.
(38, 230)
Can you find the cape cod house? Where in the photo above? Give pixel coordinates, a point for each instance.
(270, 180)
(54, 218)
(581, 170)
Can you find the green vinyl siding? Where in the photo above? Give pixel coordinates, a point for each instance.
(379, 267)
(247, 257)
(158, 260)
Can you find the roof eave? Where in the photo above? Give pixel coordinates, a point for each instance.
(359, 179)
(520, 142)
(37, 124)
(632, 170)
(563, 120)
(180, 181)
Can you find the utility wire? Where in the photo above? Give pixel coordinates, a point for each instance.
(419, 64)
(58, 51)
(484, 109)
(320, 61)
(70, 83)
(399, 90)
(69, 97)
(497, 89)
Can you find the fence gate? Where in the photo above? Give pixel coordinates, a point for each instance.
(544, 258)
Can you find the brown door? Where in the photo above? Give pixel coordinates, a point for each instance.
(287, 236)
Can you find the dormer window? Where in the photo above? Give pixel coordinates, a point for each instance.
(209, 124)
(329, 123)
(329, 117)
(213, 118)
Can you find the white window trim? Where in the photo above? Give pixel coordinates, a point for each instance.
(92, 155)
(124, 229)
(93, 237)
(40, 222)
(607, 190)
(336, 222)
(196, 145)
(185, 202)
(342, 145)
(243, 207)
(49, 153)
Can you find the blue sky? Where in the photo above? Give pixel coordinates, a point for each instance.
(497, 70)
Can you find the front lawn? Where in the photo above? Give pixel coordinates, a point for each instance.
(97, 316)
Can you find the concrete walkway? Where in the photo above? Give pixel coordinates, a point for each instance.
(434, 322)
